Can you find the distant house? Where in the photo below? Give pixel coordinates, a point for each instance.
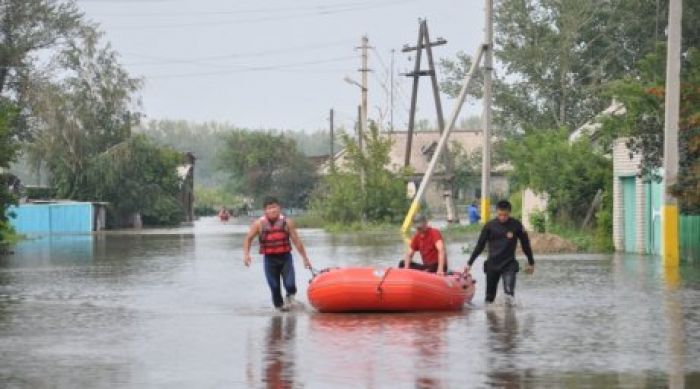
(422, 149)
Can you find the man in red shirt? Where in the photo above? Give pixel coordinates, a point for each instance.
(428, 241)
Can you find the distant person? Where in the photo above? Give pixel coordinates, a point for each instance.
(428, 242)
(473, 213)
(502, 235)
(224, 214)
(276, 233)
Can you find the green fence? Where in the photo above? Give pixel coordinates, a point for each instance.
(690, 237)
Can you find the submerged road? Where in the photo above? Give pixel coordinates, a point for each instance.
(176, 308)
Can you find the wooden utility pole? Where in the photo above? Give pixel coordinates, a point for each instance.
(391, 94)
(414, 92)
(486, 155)
(359, 129)
(424, 43)
(332, 141)
(669, 213)
(364, 70)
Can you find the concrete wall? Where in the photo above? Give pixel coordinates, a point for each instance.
(532, 202)
(626, 164)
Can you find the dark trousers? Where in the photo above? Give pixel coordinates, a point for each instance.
(492, 278)
(432, 268)
(278, 267)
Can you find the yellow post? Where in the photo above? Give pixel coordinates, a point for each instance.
(670, 242)
(485, 210)
(408, 220)
(669, 215)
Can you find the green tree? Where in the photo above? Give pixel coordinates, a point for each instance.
(570, 173)
(28, 26)
(8, 152)
(643, 122)
(340, 198)
(205, 140)
(557, 56)
(138, 176)
(88, 110)
(261, 163)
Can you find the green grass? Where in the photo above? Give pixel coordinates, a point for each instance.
(582, 239)
(460, 230)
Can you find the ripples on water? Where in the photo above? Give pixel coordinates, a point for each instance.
(176, 308)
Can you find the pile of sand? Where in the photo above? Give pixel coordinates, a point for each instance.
(550, 244)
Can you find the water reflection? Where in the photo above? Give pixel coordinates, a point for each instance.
(503, 339)
(400, 345)
(676, 328)
(278, 363)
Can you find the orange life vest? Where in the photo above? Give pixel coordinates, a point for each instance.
(274, 237)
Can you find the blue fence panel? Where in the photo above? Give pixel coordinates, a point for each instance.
(52, 218)
(70, 218)
(30, 218)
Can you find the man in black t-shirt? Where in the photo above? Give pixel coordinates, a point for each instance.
(502, 235)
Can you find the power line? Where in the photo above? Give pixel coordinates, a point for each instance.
(244, 69)
(253, 54)
(261, 19)
(318, 7)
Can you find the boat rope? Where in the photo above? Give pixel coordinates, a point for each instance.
(379, 286)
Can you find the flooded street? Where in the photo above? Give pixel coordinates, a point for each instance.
(176, 308)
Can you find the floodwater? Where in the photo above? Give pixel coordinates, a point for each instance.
(176, 308)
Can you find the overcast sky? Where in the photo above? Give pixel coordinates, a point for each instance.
(278, 63)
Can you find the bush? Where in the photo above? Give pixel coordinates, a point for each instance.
(538, 219)
(138, 176)
(570, 173)
(604, 226)
(165, 211)
(340, 198)
(516, 200)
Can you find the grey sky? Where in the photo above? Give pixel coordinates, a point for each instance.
(275, 63)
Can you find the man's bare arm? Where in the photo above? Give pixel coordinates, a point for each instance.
(440, 245)
(294, 236)
(248, 240)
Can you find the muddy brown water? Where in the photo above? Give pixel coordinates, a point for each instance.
(176, 308)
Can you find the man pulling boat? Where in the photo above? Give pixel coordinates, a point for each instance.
(502, 235)
(276, 233)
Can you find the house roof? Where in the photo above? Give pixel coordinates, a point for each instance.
(423, 143)
(591, 127)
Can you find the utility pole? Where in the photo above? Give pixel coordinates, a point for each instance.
(486, 157)
(359, 130)
(415, 205)
(364, 70)
(424, 43)
(391, 94)
(414, 93)
(332, 141)
(669, 214)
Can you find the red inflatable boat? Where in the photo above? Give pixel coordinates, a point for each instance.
(372, 289)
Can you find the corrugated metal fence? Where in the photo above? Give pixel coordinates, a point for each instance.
(72, 217)
(690, 237)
